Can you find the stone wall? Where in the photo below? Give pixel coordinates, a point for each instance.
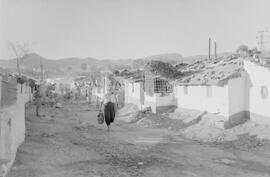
(8, 90)
(12, 128)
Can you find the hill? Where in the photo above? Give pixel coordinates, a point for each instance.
(31, 63)
(171, 58)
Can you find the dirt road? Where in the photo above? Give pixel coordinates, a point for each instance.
(68, 142)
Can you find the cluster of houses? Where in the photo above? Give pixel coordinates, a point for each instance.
(91, 88)
(234, 88)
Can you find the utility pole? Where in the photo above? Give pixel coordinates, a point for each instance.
(209, 49)
(41, 71)
(262, 39)
(215, 49)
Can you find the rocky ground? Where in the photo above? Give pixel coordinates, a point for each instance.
(68, 142)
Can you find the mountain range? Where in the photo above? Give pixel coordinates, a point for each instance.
(31, 64)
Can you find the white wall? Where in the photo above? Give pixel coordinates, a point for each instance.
(165, 100)
(257, 77)
(151, 101)
(238, 95)
(133, 93)
(126, 91)
(133, 96)
(197, 98)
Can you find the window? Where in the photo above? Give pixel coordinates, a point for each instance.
(209, 91)
(185, 90)
(264, 92)
(162, 86)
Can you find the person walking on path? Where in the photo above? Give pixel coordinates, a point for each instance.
(108, 106)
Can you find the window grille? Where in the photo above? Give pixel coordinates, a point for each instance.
(162, 86)
(152, 85)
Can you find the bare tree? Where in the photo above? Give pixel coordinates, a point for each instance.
(19, 50)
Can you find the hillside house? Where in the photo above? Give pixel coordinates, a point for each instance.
(219, 90)
(147, 89)
(158, 91)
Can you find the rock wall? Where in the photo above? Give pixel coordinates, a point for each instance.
(12, 128)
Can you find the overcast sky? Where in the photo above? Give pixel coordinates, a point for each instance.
(130, 28)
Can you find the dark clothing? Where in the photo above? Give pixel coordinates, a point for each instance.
(109, 111)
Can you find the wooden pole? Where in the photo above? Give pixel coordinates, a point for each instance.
(215, 50)
(209, 49)
(41, 70)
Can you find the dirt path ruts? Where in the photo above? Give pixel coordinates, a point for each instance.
(68, 142)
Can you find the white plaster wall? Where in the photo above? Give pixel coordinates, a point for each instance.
(257, 77)
(237, 95)
(197, 99)
(134, 94)
(167, 100)
(151, 101)
(126, 92)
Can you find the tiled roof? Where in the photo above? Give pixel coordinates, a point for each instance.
(260, 62)
(163, 70)
(211, 72)
(136, 76)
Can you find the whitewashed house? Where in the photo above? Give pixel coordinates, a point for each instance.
(105, 85)
(221, 90)
(134, 92)
(149, 90)
(258, 85)
(237, 90)
(100, 88)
